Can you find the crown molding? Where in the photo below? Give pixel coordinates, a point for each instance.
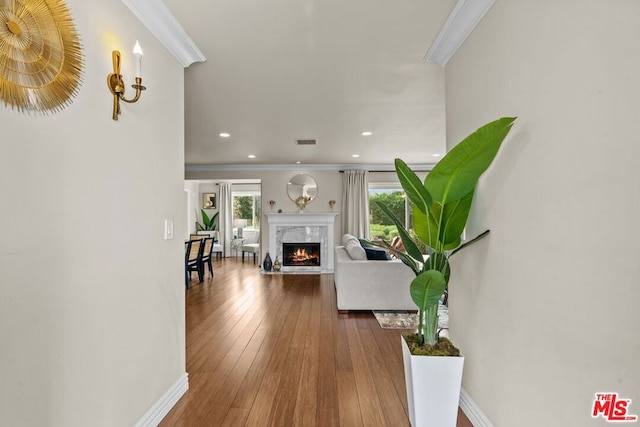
(302, 167)
(464, 17)
(155, 15)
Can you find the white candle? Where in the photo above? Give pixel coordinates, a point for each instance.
(137, 51)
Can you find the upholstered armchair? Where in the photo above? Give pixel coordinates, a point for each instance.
(251, 244)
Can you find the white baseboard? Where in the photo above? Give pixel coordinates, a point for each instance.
(162, 407)
(472, 411)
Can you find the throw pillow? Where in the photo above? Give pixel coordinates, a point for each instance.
(347, 238)
(355, 251)
(376, 254)
(365, 244)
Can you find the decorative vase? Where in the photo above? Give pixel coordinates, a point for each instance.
(267, 264)
(433, 388)
(276, 265)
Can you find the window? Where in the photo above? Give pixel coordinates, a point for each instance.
(393, 197)
(246, 208)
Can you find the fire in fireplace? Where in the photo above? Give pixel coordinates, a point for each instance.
(301, 254)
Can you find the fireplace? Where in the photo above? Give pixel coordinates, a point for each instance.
(301, 254)
(303, 228)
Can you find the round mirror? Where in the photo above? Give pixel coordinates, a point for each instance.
(302, 189)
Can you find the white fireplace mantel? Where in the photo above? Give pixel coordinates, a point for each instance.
(301, 228)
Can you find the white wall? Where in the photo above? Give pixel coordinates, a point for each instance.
(91, 296)
(194, 204)
(274, 187)
(545, 308)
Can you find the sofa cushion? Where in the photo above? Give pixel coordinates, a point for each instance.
(355, 250)
(376, 254)
(347, 238)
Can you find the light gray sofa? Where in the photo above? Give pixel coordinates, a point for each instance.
(371, 285)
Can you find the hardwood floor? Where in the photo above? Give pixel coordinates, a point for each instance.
(272, 350)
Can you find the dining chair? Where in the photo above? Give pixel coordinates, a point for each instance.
(187, 251)
(207, 253)
(194, 260)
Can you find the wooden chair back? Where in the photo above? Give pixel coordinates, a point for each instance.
(208, 247)
(196, 251)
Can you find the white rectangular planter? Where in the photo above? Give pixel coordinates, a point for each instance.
(433, 388)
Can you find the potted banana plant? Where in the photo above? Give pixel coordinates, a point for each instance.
(441, 205)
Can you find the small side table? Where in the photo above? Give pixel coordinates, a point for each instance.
(236, 244)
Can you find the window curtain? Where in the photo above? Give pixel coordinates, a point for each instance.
(226, 218)
(355, 203)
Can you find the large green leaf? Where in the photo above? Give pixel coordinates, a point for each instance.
(411, 248)
(438, 261)
(205, 219)
(439, 235)
(406, 259)
(209, 223)
(457, 173)
(454, 220)
(470, 242)
(427, 288)
(425, 230)
(214, 221)
(413, 186)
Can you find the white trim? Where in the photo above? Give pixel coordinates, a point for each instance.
(155, 15)
(162, 407)
(472, 411)
(302, 167)
(461, 21)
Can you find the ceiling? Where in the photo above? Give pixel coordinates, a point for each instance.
(326, 70)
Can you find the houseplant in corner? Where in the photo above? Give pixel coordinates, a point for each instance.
(441, 205)
(208, 224)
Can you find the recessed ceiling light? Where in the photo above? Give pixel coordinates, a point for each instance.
(224, 135)
(355, 156)
(366, 133)
(298, 162)
(251, 156)
(436, 155)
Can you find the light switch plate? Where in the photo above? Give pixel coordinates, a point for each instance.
(168, 229)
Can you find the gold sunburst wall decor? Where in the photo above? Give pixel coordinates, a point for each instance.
(40, 55)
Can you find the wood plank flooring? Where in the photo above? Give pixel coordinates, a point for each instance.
(272, 350)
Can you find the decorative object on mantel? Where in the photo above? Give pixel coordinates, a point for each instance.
(116, 84)
(302, 189)
(332, 203)
(301, 202)
(279, 210)
(41, 55)
(272, 204)
(276, 265)
(267, 264)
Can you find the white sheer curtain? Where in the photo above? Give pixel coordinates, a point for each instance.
(355, 203)
(226, 218)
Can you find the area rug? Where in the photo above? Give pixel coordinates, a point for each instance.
(408, 320)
